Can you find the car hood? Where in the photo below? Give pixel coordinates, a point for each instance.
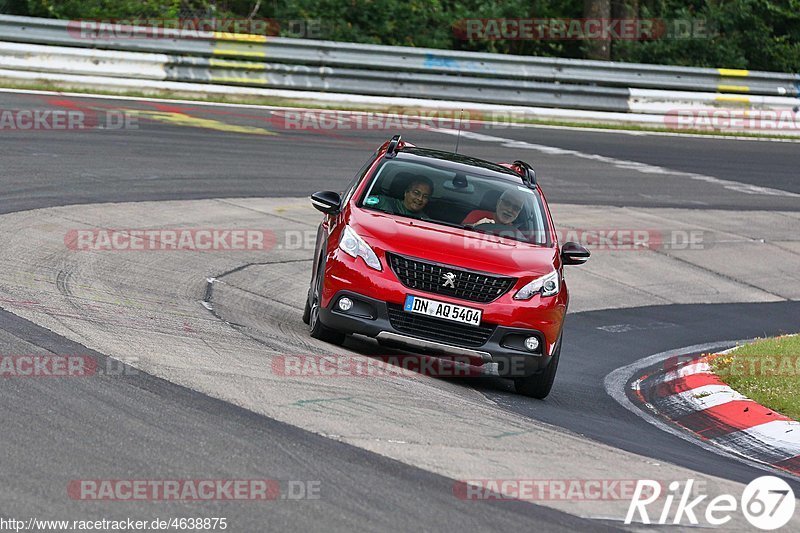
(451, 246)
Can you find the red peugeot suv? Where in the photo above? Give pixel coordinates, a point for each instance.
(446, 255)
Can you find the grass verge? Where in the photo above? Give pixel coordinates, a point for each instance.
(285, 102)
(767, 371)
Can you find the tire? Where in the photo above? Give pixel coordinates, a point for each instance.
(317, 329)
(539, 385)
(307, 310)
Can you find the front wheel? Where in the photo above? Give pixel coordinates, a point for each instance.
(316, 327)
(539, 385)
(307, 309)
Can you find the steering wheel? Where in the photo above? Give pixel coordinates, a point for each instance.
(502, 230)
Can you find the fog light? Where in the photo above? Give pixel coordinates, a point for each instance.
(531, 344)
(346, 303)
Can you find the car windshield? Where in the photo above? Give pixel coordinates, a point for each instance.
(475, 199)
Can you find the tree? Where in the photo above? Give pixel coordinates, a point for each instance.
(597, 10)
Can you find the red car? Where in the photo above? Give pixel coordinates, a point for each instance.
(447, 255)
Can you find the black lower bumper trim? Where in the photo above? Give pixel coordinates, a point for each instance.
(510, 362)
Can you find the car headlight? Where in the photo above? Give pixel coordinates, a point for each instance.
(354, 246)
(548, 285)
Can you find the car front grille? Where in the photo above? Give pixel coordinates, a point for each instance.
(435, 329)
(431, 277)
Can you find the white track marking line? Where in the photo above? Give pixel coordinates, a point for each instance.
(643, 168)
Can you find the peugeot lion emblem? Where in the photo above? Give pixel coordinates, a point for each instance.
(449, 280)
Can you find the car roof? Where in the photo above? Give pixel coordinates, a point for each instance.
(458, 162)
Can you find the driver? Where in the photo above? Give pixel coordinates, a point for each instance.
(507, 209)
(415, 198)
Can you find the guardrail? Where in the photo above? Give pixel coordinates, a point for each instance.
(282, 63)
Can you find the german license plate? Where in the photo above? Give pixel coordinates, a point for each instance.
(444, 310)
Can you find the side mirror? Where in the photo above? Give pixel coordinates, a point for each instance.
(573, 253)
(328, 202)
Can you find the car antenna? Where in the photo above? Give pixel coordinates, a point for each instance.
(458, 135)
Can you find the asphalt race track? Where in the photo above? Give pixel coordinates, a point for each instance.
(163, 159)
(580, 403)
(156, 422)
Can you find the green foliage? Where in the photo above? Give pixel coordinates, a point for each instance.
(767, 371)
(754, 34)
(406, 23)
(114, 9)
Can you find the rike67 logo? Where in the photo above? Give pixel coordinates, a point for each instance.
(767, 503)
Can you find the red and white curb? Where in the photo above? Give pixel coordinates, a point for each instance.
(681, 396)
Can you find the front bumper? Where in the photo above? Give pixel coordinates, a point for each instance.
(370, 317)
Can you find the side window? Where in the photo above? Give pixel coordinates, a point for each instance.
(353, 185)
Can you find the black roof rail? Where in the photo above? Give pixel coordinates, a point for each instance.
(529, 177)
(391, 150)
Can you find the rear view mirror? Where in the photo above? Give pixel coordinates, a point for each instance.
(573, 253)
(328, 202)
